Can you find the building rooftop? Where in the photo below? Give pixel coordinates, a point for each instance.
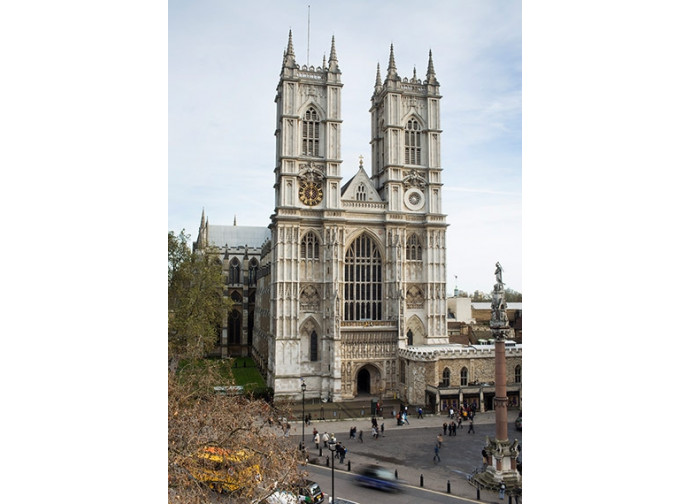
(238, 236)
(487, 306)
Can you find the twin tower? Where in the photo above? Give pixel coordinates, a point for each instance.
(357, 268)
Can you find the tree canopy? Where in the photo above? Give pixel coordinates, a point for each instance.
(195, 300)
(214, 440)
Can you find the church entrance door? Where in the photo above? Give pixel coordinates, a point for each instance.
(363, 382)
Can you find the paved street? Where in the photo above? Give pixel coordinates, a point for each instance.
(409, 449)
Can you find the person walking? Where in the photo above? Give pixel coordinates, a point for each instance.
(471, 428)
(360, 436)
(381, 429)
(445, 428)
(340, 450)
(437, 458)
(316, 440)
(419, 412)
(325, 439)
(439, 440)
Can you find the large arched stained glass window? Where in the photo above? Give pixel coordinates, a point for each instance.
(363, 285)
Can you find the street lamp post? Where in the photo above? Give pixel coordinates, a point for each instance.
(331, 446)
(304, 389)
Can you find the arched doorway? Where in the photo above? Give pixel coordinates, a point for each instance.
(363, 382)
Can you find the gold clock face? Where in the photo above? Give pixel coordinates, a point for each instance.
(310, 193)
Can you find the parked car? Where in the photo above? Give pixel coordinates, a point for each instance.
(312, 490)
(377, 477)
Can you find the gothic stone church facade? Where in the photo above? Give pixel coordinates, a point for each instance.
(348, 274)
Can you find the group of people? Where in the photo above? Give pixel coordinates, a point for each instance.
(326, 438)
(452, 428)
(375, 428)
(401, 416)
(466, 412)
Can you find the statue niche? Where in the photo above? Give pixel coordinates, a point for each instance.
(309, 299)
(414, 297)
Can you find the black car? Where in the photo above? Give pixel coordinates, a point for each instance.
(377, 477)
(312, 490)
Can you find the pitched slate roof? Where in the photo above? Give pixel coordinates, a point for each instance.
(238, 236)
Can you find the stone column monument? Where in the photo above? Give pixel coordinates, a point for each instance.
(501, 454)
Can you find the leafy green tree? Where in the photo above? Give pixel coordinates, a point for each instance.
(257, 458)
(513, 296)
(479, 297)
(195, 300)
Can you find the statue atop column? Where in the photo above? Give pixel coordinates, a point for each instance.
(499, 318)
(499, 273)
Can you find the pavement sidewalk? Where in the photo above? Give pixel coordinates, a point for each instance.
(408, 449)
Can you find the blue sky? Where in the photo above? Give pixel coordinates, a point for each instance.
(224, 63)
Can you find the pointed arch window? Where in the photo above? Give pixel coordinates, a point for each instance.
(413, 251)
(313, 346)
(446, 378)
(234, 273)
(253, 270)
(363, 285)
(463, 377)
(413, 143)
(309, 247)
(236, 298)
(402, 372)
(234, 327)
(361, 194)
(310, 133)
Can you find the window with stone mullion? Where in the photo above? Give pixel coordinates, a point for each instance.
(363, 284)
(310, 133)
(413, 143)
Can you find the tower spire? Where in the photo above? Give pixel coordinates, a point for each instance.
(333, 58)
(377, 85)
(392, 70)
(430, 73)
(289, 55)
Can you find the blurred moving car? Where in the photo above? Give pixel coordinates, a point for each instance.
(373, 476)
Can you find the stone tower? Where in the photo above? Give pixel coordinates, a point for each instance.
(406, 171)
(307, 187)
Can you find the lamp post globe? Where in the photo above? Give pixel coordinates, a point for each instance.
(331, 446)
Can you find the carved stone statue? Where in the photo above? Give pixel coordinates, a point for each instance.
(499, 273)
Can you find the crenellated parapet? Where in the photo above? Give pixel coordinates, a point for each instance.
(435, 352)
